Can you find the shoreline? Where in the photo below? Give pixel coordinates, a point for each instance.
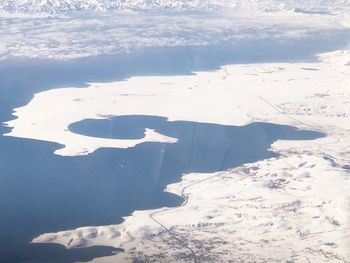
(295, 188)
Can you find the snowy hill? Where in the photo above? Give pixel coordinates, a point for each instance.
(60, 6)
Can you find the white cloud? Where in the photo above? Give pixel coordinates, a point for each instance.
(70, 37)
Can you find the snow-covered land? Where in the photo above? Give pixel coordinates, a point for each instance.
(60, 6)
(292, 208)
(67, 36)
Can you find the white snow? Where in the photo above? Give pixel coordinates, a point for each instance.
(294, 207)
(59, 6)
(291, 208)
(67, 37)
(340, 57)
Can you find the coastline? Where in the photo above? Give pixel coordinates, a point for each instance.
(304, 190)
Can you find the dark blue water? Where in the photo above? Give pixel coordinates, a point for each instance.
(312, 11)
(41, 192)
(201, 147)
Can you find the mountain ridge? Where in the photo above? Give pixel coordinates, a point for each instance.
(62, 6)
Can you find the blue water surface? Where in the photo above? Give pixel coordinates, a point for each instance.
(41, 192)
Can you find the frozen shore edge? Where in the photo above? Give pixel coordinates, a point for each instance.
(301, 198)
